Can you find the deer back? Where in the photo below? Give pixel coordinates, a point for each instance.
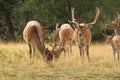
(33, 34)
(66, 33)
(108, 38)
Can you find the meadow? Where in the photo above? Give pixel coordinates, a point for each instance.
(15, 64)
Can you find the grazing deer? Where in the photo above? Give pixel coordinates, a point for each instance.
(82, 34)
(65, 33)
(34, 34)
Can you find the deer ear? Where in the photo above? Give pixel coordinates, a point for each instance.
(104, 35)
(88, 26)
(53, 31)
(44, 30)
(58, 29)
(113, 34)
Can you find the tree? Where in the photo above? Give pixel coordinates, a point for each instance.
(16, 13)
(6, 8)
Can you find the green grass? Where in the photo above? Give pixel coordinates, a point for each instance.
(15, 65)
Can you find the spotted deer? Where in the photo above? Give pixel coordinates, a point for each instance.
(115, 25)
(109, 39)
(65, 33)
(34, 34)
(82, 34)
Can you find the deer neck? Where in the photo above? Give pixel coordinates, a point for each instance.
(82, 41)
(40, 46)
(113, 45)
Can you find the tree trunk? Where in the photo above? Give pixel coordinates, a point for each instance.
(68, 8)
(11, 27)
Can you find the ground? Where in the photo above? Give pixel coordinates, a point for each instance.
(15, 64)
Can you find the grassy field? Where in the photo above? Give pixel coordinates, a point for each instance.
(15, 64)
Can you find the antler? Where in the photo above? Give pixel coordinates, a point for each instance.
(54, 46)
(73, 17)
(96, 17)
(72, 11)
(56, 26)
(118, 15)
(55, 33)
(54, 38)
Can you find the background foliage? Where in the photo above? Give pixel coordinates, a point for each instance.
(14, 14)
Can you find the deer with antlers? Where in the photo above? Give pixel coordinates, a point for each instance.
(82, 34)
(65, 33)
(34, 34)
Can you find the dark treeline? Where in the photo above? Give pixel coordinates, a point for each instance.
(14, 14)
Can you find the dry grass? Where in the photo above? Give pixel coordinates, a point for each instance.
(14, 64)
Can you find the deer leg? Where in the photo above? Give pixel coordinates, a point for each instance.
(83, 54)
(118, 56)
(68, 51)
(70, 48)
(114, 55)
(64, 51)
(80, 49)
(30, 50)
(87, 49)
(33, 53)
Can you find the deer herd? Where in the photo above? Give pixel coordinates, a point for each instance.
(80, 33)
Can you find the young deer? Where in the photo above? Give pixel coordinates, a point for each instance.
(109, 39)
(82, 34)
(65, 33)
(34, 34)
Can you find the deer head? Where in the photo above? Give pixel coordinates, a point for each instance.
(54, 52)
(108, 38)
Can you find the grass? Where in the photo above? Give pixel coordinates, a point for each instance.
(14, 64)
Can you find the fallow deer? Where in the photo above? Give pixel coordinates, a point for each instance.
(109, 39)
(65, 33)
(33, 34)
(82, 34)
(114, 40)
(115, 25)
